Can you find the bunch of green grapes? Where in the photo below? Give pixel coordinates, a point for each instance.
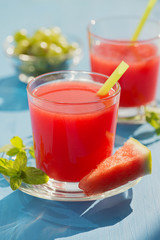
(45, 42)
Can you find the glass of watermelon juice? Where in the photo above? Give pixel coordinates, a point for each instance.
(109, 44)
(73, 128)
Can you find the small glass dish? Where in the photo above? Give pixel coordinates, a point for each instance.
(28, 66)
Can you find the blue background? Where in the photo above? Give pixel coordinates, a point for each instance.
(133, 215)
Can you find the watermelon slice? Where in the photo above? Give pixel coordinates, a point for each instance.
(129, 162)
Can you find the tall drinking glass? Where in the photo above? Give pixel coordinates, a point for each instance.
(73, 128)
(109, 44)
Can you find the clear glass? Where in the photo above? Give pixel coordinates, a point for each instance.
(71, 138)
(109, 44)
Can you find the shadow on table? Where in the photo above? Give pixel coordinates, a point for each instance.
(156, 235)
(147, 137)
(142, 132)
(13, 95)
(26, 217)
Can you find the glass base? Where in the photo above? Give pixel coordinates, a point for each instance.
(59, 186)
(50, 192)
(133, 115)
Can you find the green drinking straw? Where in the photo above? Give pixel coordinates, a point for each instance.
(149, 7)
(114, 77)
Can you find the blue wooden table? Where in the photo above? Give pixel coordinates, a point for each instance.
(132, 215)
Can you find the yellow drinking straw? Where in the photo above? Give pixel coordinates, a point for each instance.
(149, 7)
(114, 77)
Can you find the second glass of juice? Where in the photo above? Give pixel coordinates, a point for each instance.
(110, 43)
(73, 128)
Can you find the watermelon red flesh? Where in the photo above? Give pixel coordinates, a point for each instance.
(129, 162)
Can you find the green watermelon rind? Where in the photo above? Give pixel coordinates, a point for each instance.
(148, 157)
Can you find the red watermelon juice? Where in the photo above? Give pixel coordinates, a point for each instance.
(73, 128)
(139, 83)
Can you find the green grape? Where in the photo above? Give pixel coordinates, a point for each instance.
(22, 47)
(54, 50)
(43, 34)
(55, 34)
(39, 35)
(62, 42)
(39, 49)
(45, 42)
(20, 35)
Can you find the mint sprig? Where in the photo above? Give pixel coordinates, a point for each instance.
(152, 115)
(16, 145)
(17, 168)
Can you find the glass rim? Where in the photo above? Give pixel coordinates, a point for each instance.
(93, 22)
(30, 93)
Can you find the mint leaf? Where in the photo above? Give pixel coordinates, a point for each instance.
(17, 142)
(12, 152)
(15, 182)
(6, 167)
(3, 171)
(153, 118)
(6, 148)
(13, 148)
(17, 169)
(21, 161)
(31, 152)
(34, 176)
(8, 171)
(6, 163)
